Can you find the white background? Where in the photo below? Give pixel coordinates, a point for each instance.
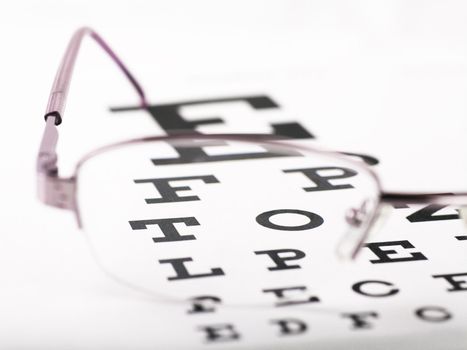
(387, 78)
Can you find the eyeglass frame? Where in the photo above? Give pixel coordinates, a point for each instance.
(61, 192)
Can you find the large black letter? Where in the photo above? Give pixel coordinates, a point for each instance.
(170, 118)
(385, 255)
(433, 314)
(359, 319)
(290, 326)
(314, 220)
(169, 193)
(357, 287)
(427, 213)
(182, 272)
(204, 304)
(220, 333)
(322, 181)
(167, 227)
(277, 256)
(456, 285)
(279, 293)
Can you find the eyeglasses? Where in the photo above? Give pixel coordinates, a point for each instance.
(165, 212)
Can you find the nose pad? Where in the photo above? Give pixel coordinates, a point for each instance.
(355, 217)
(360, 220)
(463, 214)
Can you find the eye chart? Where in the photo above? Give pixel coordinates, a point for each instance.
(277, 281)
(239, 253)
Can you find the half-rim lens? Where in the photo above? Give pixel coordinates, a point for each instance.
(182, 218)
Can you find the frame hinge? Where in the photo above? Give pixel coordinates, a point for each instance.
(57, 192)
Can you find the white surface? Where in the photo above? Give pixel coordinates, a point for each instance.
(385, 78)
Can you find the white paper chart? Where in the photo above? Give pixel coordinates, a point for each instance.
(218, 255)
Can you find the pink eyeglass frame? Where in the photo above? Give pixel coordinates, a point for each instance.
(61, 192)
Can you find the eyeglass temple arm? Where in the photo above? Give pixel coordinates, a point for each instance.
(60, 87)
(52, 189)
(59, 92)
